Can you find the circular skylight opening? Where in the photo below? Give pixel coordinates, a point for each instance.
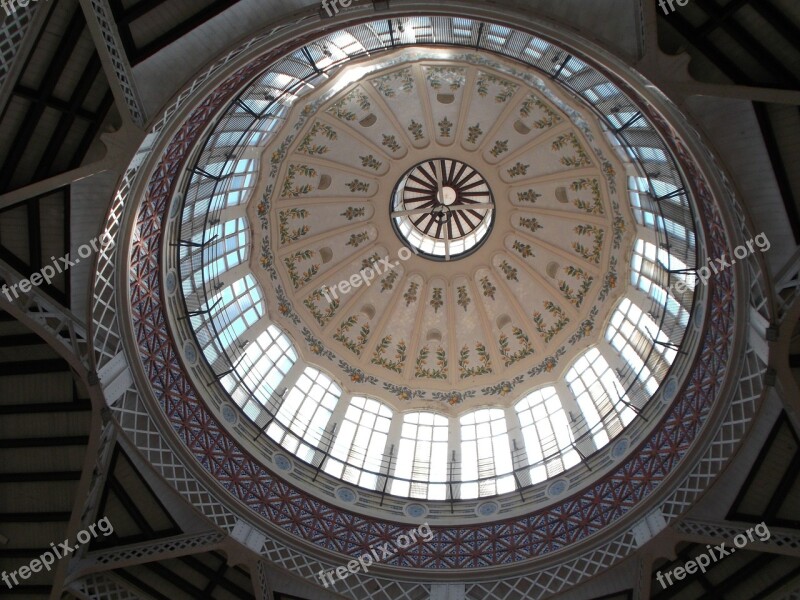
(443, 209)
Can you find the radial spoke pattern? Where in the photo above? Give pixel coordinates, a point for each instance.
(443, 209)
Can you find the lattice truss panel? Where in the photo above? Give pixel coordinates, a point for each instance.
(12, 31)
(787, 541)
(105, 450)
(358, 586)
(65, 330)
(105, 586)
(737, 418)
(140, 553)
(264, 590)
(134, 419)
(132, 415)
(102, 12)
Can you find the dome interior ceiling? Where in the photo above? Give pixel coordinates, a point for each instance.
(543, 283)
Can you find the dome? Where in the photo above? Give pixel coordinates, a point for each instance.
(406, 279)
(380, 300)
(443, 241)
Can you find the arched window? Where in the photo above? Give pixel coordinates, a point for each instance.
(547, 434)
(485, 453)
(305, 413)
(361, 442)
(641, 191)
(597, 390)
(422, 456)
(233, 310)
(647, 261)
(239, 177)
(631, 332)
(266, 362)
(229, 248)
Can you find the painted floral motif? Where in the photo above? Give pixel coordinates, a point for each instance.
(454, 397)
(503, 388)
(445, 127)
(321, 317)
(485, 362)
(611, 175)
(338, 109)
(488, 288)
(561, 321)
(383, 83)
(316, 346)
(357, 239)
(528, 196)
(290, 190)
(523, 249)
(610, 280)
(288, 236)
(507, 88)
(390, 141)
(355, 346)
(356, 374)
(548, 364)
(463, 298)
(453, 77)
(400, 356)
(437, 372)
(551, 117)
(576, 298)
(368, 262)
(586, 327)
(263, 207)
(277, 157)
(436, 299)
(411, 293)
(267, 260)
(596, 207)
(353, 212)
(370, 162)
(500, 146)
(306, 147)
(580, 158)
(590, 254)
(291, 262)
(618, 228)
(509, 271)
(387, 283)
(518, 169)
(402, 392)
(416, 130)
(357, 186)
(525, 347)
(474, 133)
(530, 223)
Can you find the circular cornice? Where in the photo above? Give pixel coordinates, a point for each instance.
(538, 534)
